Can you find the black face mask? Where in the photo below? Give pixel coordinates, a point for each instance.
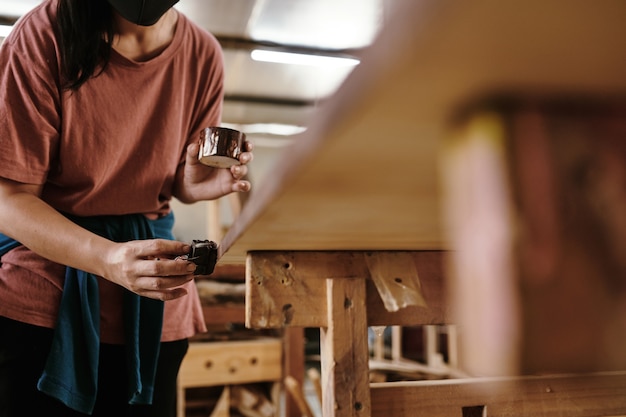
(142, 12)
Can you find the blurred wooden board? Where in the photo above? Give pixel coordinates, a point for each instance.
(576, 395)
(231, 362)
(364, 176)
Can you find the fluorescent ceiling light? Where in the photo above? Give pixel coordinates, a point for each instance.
(277, 129)
(302, 59)
(5, 30)
(344, 24)
(16, 8)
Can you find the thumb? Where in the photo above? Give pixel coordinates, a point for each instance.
(192, 154)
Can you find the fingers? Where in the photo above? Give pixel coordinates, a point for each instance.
(239, 171)
(151, 268)
(242, 170)
(162, 295)
(161, 288)
(165, 295)
(162, 279)
(241, 186)
(246, 157)
(161, 248)
(160, 267)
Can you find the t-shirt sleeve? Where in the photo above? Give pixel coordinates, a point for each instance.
(29, 114)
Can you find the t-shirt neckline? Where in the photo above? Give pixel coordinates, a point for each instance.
(167, 53)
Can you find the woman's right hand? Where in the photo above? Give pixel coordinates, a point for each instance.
(151, 268)
(145, 267)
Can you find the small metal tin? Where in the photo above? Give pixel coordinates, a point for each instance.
(220, 147)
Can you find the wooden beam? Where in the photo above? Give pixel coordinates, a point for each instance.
(344, 351)
(294, 387)
(585, 395)
(223, 314)
(293, 364)
(231, 362)
(535, 198)
(215, 230)
(288, 288)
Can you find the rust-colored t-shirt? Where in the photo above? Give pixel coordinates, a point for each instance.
(111, 147)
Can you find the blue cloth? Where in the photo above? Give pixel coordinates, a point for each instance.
(71, 371)
(6, 244)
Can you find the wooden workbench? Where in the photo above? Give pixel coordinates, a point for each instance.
(358, 198)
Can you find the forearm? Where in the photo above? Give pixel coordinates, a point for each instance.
(146, 267)
(29, 220)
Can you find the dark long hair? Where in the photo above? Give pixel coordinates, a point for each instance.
(85, 34)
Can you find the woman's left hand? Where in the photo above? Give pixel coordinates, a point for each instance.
(201, 182)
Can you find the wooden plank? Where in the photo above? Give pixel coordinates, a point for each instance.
(431, 273)
(296, 391)
(316, 380)
(293, 364)
(535, 191)
(586, 395)
(393, 112)
(344, 351)
(223, 313)
(222, 408)
(232, 362)
(396, 279)
(228, 272)
(288, 288)
(568, 173)
(215, 230)
(483, 294)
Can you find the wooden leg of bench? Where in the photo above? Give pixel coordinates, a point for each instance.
(344, 349)
(293, 345)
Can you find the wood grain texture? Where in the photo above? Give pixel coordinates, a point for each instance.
(588, 395)
(344, 351)
(232, 362)
(365, 174)
(289, 288)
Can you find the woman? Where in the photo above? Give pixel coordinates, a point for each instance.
(101, 106)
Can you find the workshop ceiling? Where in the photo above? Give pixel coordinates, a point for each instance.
(262, 92)
(260, 95)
